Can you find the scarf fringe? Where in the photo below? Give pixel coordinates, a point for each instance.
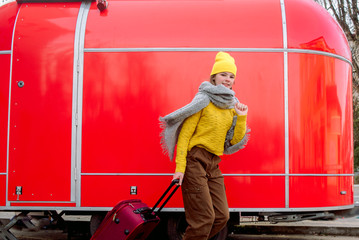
(164, 146)
(242, 144)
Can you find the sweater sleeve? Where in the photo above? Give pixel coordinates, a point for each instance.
(239, 129)
(188, 128)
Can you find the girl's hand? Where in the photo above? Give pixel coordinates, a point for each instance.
(241, 109)
(178, 175)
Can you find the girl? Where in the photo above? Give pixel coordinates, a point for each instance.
(213, 124)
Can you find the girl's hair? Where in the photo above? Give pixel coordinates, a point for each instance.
(212, 79)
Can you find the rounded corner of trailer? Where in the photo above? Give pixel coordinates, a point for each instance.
(311, 27)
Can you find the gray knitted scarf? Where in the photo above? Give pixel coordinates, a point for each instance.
(220, 96)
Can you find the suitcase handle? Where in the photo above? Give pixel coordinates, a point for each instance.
(174, 182)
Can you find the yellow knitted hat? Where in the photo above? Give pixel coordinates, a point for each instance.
(224, 63)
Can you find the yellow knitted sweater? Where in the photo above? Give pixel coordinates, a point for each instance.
(208, 129)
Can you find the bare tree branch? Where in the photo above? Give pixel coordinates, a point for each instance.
(346, 13)
(354, 18)
(334, 11)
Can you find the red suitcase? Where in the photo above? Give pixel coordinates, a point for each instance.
(131, 219)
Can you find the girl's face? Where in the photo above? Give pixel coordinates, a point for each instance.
(225, 78)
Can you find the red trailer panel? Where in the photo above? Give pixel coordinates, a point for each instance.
(134, 24)
(8, 15)
(320, 191)
(320, 103)
(41, 108)
(2, 190)
(4, 94)
(252, 88)
(256, 192)
(114, 188)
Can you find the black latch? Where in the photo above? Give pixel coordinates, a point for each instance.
(144, 210)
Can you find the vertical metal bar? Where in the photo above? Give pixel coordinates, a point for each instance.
(77, 102)
(286, 118)
(9, 107)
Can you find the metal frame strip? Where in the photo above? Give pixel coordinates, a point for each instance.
(231, 174)
(9, 108)
(76, 134)
(263, 210)
(5, 52)
(179, 49)
(314, 209)
(286, 104)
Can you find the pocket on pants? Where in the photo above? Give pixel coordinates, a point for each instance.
(193, 193)
(191, 190)
(194, 197)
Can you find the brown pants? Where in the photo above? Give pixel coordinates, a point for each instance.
(204, 195)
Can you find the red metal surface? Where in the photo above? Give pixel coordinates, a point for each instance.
(7, 16)
(40, 127)
(43, 204)
(117, 113)
(2, 190)
(320, 191)
(310, 26)
(4, 102)
(7, 20)
(265, 117)
(113, 189)
(185, 24)
(255, 191)
(120, 112)
(320, 115)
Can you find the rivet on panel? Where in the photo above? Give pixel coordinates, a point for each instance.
(20, 84)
